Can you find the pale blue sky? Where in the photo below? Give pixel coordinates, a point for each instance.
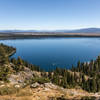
(49, 14)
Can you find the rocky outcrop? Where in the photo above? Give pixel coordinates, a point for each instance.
(21, 76)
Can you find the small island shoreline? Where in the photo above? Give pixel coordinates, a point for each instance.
(12, 53)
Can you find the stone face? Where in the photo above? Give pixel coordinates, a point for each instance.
(1, 82)
(2, 85)
(17, 86)
(21, 76)
(34, 85)
(44, 86)
(50, 85)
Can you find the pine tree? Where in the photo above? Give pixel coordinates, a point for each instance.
(78, 65)
(3, 56)
(92, 85)
(19, 61)
(14, 61)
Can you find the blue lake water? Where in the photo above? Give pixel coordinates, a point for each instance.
(49, 53)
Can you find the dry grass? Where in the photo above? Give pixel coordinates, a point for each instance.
(41, 93)
(24, 92)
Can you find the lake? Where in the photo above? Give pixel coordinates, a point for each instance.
(49, 53)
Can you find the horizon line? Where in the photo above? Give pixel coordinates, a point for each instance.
(15, 29)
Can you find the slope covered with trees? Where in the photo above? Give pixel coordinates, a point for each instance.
(85, 75)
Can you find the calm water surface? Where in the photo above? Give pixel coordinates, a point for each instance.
(52, 52)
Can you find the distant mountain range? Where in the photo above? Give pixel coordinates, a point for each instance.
(85, 30)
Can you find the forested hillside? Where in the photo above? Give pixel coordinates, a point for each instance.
(85, 75)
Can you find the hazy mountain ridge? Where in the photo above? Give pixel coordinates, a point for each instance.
(84, 30)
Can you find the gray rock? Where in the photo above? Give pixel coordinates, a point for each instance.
(34, 85)
(17, 86)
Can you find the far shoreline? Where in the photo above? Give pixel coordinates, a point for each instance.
(32, 35)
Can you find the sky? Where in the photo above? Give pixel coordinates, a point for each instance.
(49, 14)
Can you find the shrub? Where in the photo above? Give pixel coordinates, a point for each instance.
(40, 80)
(88, 98)
(8, 90)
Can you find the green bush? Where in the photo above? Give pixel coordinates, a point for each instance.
(8, 90)
(88, 98)
(40, 80)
